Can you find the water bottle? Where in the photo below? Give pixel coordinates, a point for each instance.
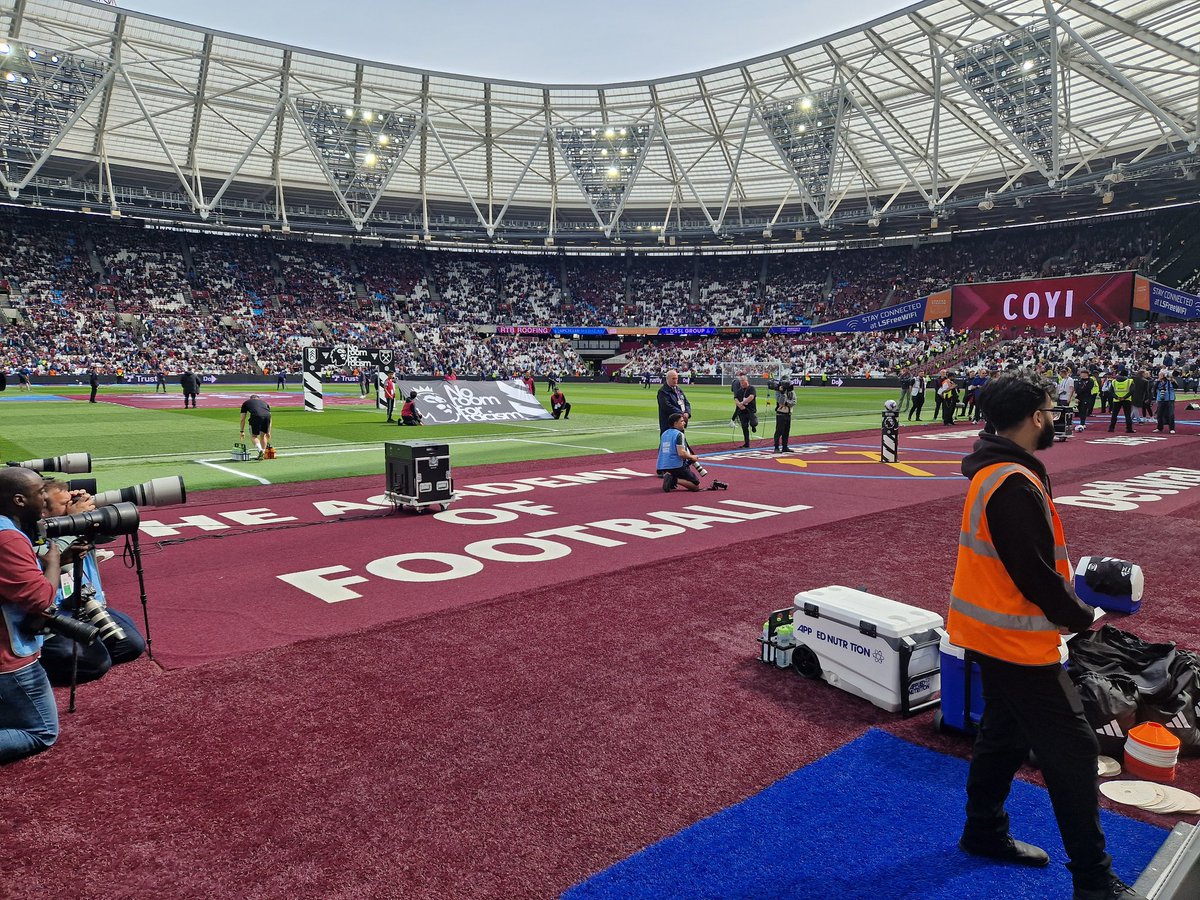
(784, 641)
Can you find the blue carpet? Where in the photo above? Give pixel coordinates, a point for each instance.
(878, 818)
(30, 398)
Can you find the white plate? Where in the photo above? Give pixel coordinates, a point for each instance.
(1107, 767)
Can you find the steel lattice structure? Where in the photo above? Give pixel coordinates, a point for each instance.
(946, 105)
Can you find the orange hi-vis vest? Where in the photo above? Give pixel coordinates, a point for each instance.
(988, 613)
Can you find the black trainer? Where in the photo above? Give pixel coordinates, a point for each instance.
(1116, 890)
(669, 481)
(1008, 850)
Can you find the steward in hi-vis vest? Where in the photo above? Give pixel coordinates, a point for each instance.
(989, 611)
(1011, 598)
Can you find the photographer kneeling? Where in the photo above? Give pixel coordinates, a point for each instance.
(28, 715)
(119, 641)
(675, 457)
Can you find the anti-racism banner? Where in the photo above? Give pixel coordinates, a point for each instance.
(901, 315)
(1063, 302)
(452, 402)
(1175, 303)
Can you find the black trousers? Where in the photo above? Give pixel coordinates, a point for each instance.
(918, 401)
(1117, 406)
(391, 406)
(743, 418)
(1038, 708)
(92, 399)
(1086, 405)
(783, 429)
(564, 410)
(189, 396)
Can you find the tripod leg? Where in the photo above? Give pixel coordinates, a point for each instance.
(137, 557)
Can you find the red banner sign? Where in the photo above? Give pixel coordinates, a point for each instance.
(1064, 302)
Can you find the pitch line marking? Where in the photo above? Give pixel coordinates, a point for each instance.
(205, 462)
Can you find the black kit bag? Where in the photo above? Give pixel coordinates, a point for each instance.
(1110, 703)
(1167, 679)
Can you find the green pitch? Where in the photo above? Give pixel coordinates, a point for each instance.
(131, 445)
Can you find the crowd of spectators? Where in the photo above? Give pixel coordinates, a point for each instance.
(84, 291)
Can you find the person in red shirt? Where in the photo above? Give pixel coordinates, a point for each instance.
(409, 414)
(28, 716)
(389, 395)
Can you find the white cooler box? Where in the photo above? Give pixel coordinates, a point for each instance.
(878, 649)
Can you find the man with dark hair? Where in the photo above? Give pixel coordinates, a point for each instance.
(1011, 602)
(675, 457)
(1086, 388)
(745, 398)
(1142, 397)
(389, 396)
(94, 383)
(259, 411)
(190, 382)
(785, 402)
(671, 399)
(28, 716)
(160, 380)
(558, 404)
(409, 414)
(1122, 400)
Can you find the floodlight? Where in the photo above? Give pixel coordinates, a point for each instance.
(32, 53)
(367, 115)
(5, 49)
(986, 203)
(806, 104)
(1107, 198)
(383, 140)
(614, 172)
(370, 159)
(609, 133)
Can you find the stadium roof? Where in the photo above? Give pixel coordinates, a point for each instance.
(945, 108)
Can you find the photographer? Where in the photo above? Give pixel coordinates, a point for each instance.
(675, 458)
(28, 716)
(58, 654)
(785, 402)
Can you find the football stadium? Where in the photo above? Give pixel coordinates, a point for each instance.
(356, 417)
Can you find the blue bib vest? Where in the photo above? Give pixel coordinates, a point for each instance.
(668, 449)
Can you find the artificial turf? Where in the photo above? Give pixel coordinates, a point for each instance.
(130, 445)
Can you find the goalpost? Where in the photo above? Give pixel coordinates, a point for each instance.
(760, 372)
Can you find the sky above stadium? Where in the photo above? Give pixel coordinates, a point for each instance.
(533, 40)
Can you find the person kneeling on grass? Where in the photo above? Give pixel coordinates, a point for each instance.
(408, 412)
(675, 457)
(559, 405)
(259, 411)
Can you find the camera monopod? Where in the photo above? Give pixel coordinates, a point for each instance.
(133, 547)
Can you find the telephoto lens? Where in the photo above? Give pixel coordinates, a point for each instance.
(700, 470)
(120, 518)
(166, 491)
(70, 463)
(72, 629)
(94, 613)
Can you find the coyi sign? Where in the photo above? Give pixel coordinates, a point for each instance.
(452, 402)
(1064, 302)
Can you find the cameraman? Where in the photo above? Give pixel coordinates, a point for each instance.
(28, 716)
(785, 402)
(101, 655)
